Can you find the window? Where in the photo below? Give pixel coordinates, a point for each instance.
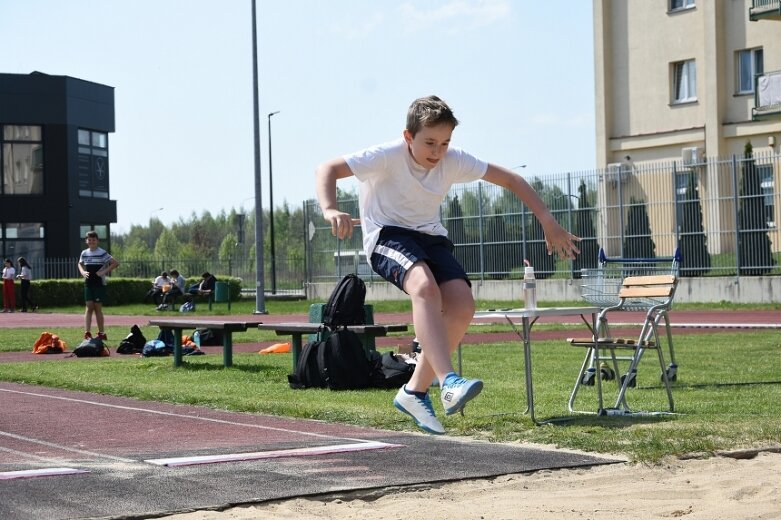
(684, 81)
(93, 164)
(766, 185)
(23, 239)
(681, 4)
(749, 63)
(22, 160)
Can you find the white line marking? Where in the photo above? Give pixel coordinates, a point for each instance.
(64, 448)
(28, 455)
(183, 416)
(727, 325)
(258, 455)
(32, 473)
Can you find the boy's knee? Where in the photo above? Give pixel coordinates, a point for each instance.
(426, 289)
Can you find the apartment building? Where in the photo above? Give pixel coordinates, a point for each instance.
(686, 81)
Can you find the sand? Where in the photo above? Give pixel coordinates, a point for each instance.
(739, 486)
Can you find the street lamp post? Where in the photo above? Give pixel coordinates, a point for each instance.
(260, 301)
(271, 211)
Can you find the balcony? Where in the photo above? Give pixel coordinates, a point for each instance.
(764, 10)
(767, 95)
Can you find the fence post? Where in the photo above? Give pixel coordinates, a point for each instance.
(480, 229)
(570, 195)
(676, 216)
(736, 216)
(621, 214)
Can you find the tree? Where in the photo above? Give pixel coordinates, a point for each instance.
(167, 246)
(537, 251)
(584, 228)
(454, 223)
(693, 242)
(755, 256)
(638, 242)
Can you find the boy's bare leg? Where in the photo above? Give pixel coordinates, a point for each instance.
(441, 315)
(88, 315)
(99, 316)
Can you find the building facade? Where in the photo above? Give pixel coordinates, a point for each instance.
(54, 165)
(687, 81)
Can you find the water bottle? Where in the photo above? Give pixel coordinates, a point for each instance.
(529, 288)
(197, 339)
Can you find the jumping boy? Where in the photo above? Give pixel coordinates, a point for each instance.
(402, 185)
(94, 264)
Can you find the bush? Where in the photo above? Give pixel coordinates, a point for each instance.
(121, 291)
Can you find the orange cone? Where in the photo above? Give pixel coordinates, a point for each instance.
(276, 348)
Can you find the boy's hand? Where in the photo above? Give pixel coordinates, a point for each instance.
(341, 223)
(562, 242)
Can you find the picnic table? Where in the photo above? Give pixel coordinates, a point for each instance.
(227, 328)
(297, 329)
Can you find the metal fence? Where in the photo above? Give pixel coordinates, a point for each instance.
(721, 212)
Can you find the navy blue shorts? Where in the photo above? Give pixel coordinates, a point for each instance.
(398, 248)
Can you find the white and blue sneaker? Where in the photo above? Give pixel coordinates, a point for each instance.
(419, 409)
(456, 391)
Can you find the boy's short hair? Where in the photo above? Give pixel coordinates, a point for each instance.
(429, 111)
(91, 234)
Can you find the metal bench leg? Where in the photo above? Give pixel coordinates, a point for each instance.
(177, 347)
(227, 348)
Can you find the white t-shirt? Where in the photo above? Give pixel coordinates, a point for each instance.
(397, 191)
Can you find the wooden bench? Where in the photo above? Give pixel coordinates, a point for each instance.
(297, 329)
(226, 327)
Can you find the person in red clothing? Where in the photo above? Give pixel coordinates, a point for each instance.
(9, 294)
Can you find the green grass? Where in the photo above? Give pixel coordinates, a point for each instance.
(727, 394)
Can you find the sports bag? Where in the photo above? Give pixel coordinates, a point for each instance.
(395, 371)
(342, 362)
(307, 373)
(337, 362)
(133, 342)
(345, 305)
(48, 343)
(92, 347)
(155, 348)
(210, 337)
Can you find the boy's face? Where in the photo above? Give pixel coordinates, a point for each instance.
(429, 145)
(92, 242)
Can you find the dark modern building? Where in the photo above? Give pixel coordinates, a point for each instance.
(54, 165)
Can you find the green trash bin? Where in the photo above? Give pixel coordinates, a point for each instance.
(222, 294)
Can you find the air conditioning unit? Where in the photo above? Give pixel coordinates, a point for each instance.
(694, 156)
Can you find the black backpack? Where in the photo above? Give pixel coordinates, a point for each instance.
(338, 363)
(133, 342)
(389, 370)
(307, 374)
(210, 337)
(167, 337)
(345, 305)
(92, 347)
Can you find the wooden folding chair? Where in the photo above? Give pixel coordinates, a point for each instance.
(654, 294)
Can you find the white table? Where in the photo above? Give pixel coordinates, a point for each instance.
(528, 318)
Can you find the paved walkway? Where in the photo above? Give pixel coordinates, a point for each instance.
(683, 322)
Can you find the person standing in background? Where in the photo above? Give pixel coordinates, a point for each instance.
(94, 264)
(9, 294)
(25, 275)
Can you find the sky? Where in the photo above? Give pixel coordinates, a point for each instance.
(518, 74)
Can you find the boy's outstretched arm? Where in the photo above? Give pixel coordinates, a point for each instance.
(558, 239)
(326, 177)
